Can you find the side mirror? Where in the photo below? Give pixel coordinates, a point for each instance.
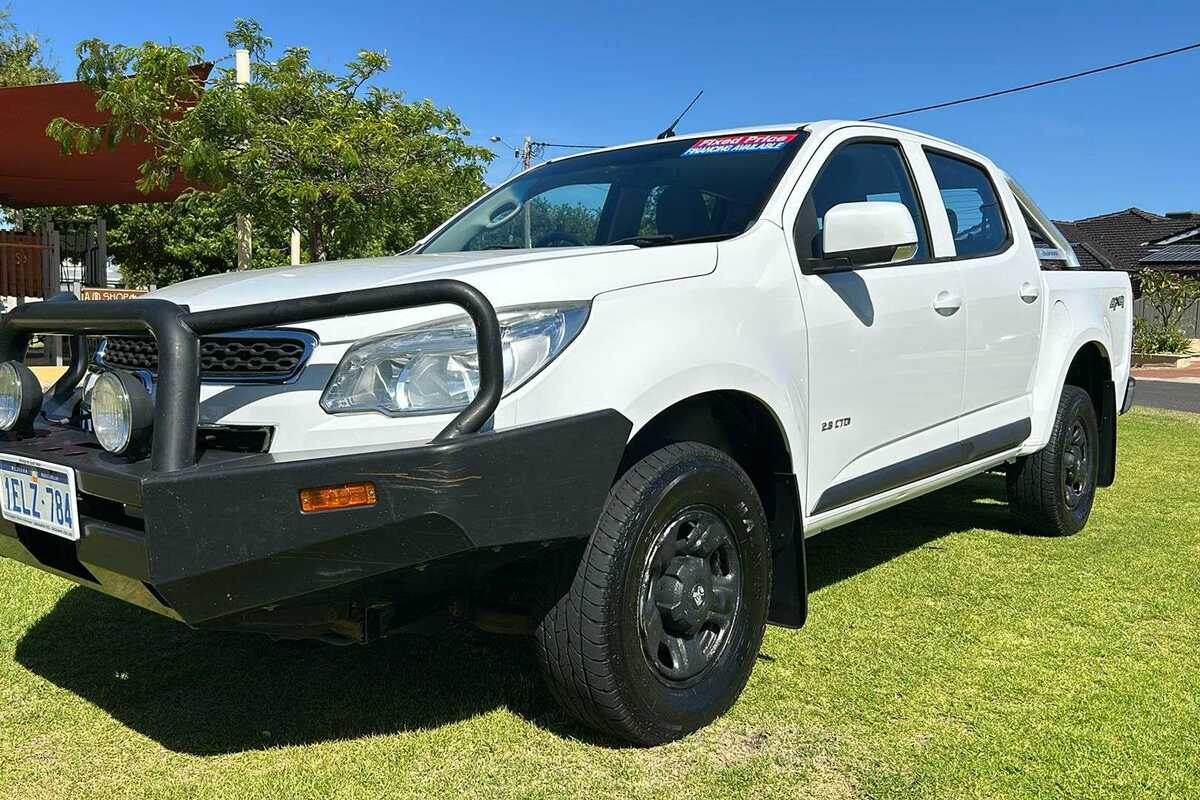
(871, 233)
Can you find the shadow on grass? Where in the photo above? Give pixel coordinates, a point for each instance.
(210, 693)
(842, 553)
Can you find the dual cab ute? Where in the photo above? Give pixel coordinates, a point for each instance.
(605, 404)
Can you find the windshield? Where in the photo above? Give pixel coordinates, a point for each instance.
(656, 194)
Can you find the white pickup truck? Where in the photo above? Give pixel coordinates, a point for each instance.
(605, 404)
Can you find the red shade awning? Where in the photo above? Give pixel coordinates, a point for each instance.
(33, 170)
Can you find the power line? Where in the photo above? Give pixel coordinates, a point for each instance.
(531, 150)
(511, 171)
(572, 146)
(1037, 84)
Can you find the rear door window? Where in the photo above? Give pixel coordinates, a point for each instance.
(972, 208)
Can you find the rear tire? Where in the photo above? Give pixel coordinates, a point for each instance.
(654, 632)
(1052, 491)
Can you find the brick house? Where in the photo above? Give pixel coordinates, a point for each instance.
(1133, 240)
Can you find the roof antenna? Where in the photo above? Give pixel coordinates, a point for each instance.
(670, 131)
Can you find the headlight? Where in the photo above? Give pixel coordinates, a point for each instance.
(122, 412)
(434, 368)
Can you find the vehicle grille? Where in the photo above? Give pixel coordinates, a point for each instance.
(238, 357)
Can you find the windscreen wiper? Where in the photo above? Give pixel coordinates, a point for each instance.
(656, 239)
(646, 241)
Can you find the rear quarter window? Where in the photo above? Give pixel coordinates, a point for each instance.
(1048, 253)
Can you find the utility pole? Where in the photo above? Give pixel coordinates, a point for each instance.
(100, 277)
(245, 247)
(527, 162)
(527, 154)
(529, 149)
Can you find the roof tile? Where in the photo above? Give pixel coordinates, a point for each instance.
(1125, 238)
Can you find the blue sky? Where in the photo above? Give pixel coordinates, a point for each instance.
(611, 72)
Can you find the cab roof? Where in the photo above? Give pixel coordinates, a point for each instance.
(819, 127)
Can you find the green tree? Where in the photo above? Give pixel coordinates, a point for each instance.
(1169, 296)
(550, 223)
(22, 62)
(354, 167)
(158, 244)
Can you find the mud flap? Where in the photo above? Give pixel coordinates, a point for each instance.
(789, 589)
(1108, 434)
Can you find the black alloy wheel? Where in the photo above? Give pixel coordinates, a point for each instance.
(1077, 467)
(691, 594)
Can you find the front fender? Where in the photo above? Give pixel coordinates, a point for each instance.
(681, 386)
(645, 349)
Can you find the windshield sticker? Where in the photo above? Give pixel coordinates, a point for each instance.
(743, 143)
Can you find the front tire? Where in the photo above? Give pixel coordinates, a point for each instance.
(1052, 491)
(654, 632)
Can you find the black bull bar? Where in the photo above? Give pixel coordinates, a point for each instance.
(177, 331)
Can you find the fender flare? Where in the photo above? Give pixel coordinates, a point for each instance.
(1106, 408)
(1045, 401)
(789, 585)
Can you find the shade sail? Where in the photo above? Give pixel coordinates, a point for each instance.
(34, 172)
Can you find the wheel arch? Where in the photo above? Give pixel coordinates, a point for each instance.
(733, 421)
(745, 428)
(1090, 369)
(1063, 351)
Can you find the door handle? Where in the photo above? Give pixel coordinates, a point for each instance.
(946, 303)
(1029, 292)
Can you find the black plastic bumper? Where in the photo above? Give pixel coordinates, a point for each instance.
(209, 543)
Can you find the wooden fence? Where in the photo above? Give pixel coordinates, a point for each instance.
(29, 264)
(1190, 324)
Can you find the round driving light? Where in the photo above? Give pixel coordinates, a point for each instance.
(122, 412)
(20, 396)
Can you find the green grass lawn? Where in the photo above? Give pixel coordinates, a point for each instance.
(946, 655)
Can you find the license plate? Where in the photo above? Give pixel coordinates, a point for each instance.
(39, 495)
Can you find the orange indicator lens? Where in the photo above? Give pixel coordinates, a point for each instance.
(327, 498)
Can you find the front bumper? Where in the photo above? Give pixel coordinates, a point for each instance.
(224, 543)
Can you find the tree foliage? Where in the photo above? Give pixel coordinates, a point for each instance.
(1151, 337)
(354, 167)
(158, 244)
(22, 62)
(1169, 295)
(549, 223)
